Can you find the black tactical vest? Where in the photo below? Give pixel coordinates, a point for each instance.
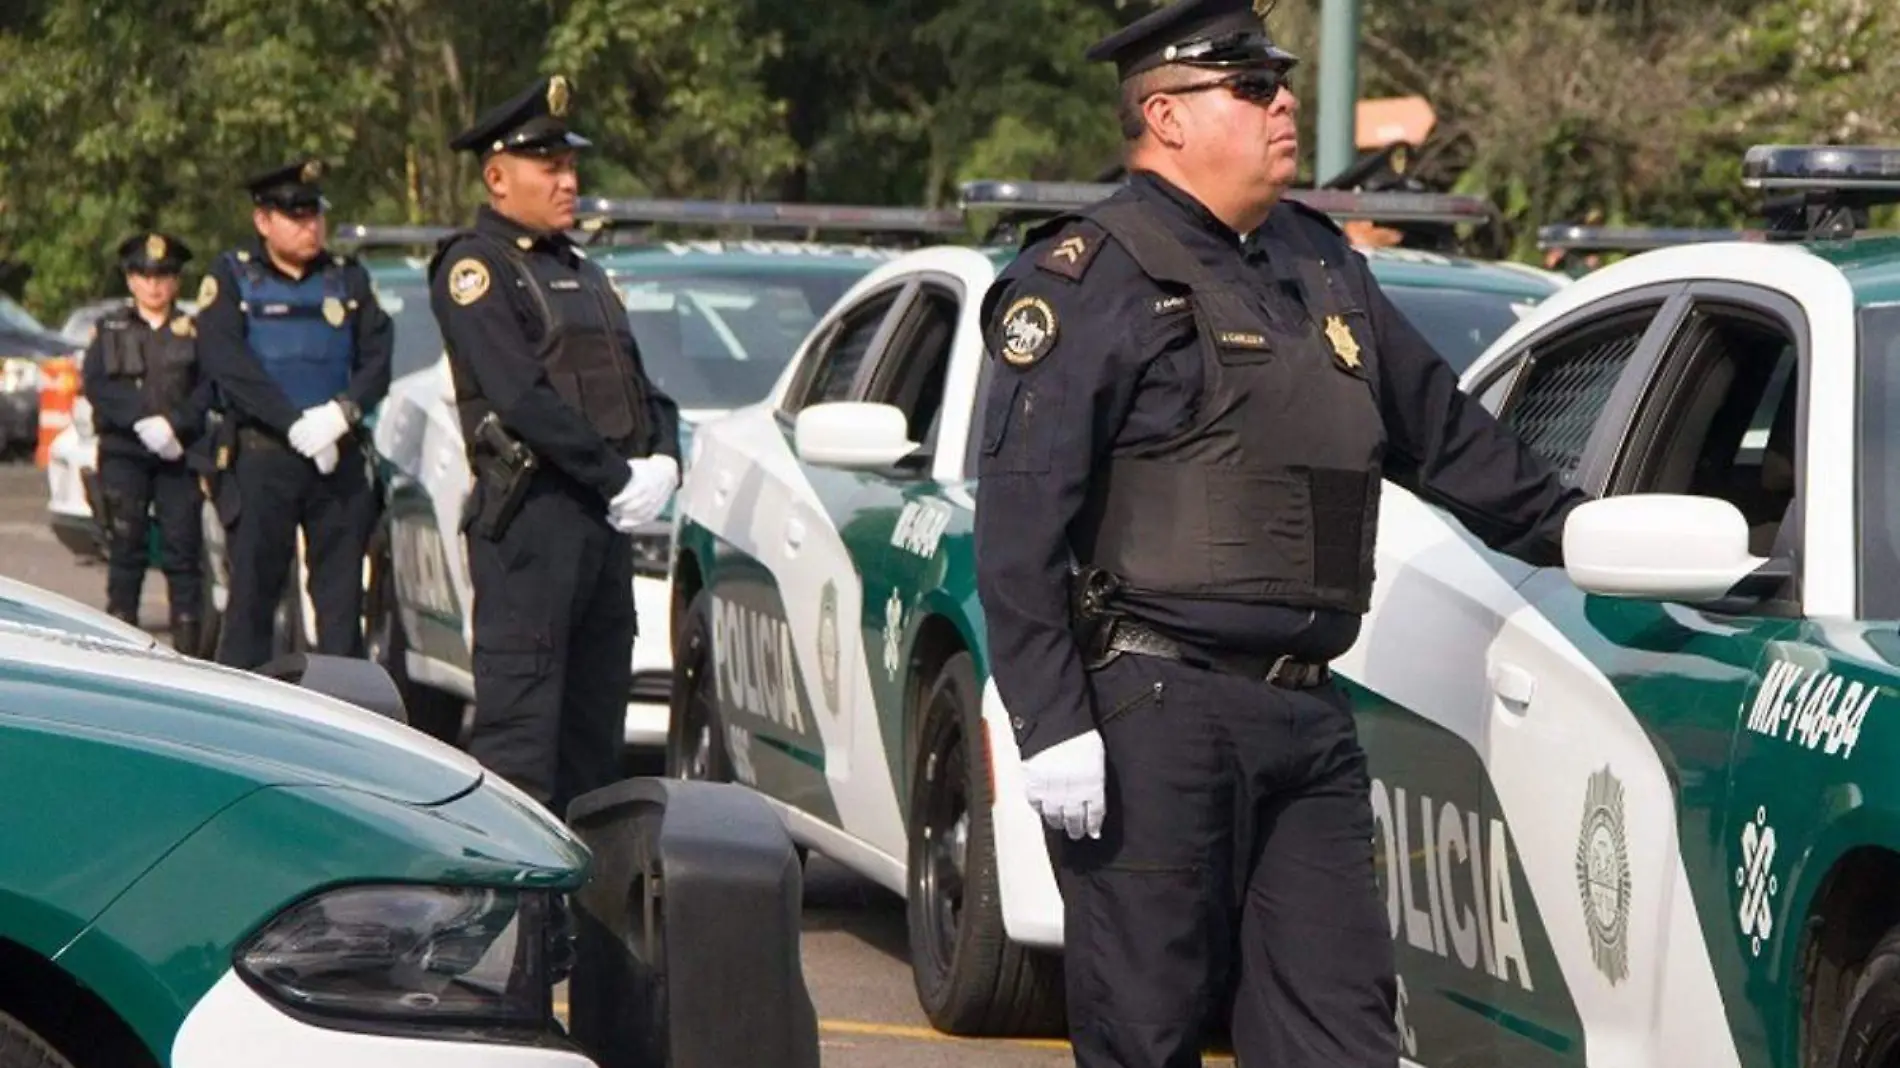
(581, 348)
(159, 362)
(1271, 494)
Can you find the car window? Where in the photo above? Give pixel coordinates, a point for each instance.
(721, 340)
(841, 354)
(1459, 323)
(1879, 466)
(417, 341)
(1567, 381)
(911, 374)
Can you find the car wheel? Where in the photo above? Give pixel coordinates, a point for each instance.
(694, 748)
(20, 1047)
(1870, 1038)
(431, 711)
(971, 979)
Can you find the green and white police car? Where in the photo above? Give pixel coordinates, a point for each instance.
(716, 321)
(829, 647)
(205, 867)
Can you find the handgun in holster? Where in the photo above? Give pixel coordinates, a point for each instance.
(101, 504)
(503, 469)
(221, 483)
(1090, 591)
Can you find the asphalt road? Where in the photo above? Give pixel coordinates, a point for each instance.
(854, 933)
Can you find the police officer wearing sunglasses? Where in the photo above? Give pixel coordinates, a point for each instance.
(1197, 390)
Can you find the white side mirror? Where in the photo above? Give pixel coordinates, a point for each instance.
(1658, 546)
(852, 434)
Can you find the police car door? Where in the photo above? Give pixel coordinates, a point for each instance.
(1623, 769)
(1479, 984)
(787, 604)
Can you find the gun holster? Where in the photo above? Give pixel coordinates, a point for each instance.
(503, 469)
(1090, 591)
(221, 484)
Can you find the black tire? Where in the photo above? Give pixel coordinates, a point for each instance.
(438, 714)
(20, 1047)
(1870, 1037)
(971, 979)
(694, 747)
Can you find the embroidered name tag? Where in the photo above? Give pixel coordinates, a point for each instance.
(1169, 305)
(565, 283)
(1236, 339)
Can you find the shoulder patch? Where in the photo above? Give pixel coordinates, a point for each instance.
(1070, 254)
(1029, 331)
(468, 280)
(207, 291)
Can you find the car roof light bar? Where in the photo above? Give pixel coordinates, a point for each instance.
(596, 212)
(371, 235)
(1631, 238)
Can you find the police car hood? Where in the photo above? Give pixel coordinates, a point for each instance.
(270, 732)
(31, 605)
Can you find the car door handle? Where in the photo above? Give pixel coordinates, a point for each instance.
(794, 534)
(1513, 684)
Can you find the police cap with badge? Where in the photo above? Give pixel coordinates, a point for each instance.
(1216, 34)
(292, 189)
(153, 254)
(533, 123)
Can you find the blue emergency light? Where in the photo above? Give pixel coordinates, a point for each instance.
(1827, 167)
(1630, 238)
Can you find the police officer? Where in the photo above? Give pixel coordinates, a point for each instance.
(141, 378)
(298, 349)
(572, 446)
(1198, 388)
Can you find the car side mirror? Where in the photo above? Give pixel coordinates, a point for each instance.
(852, 434)
(1660, 547)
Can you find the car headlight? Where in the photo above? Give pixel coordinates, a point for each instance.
(421, 957)
(653, 549)
(19, 374)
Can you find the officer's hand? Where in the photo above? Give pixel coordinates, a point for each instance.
(644, 497)
(319, 428)
(325, 459)
(155, 432)
(1067, 784)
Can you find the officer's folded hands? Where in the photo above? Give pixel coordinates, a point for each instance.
(1066, 783)
(156, 434)
(644, 497)
(319, 428)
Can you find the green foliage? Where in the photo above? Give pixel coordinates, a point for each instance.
(118, 115)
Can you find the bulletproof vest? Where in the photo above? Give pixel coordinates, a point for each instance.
(1270, 493)
(159, 362)
(581, 348)
(303, 332)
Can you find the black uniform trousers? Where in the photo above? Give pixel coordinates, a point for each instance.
(554, 631)
(1238, 845)
(279, 491)
(137, 484)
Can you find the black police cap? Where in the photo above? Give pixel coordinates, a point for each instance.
(153, 253)
(534, 123)
(1219, 34)
(294, 187)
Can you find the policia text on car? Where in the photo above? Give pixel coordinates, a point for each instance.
(572, 444)
(148, 405)
(1198, 389)
(297, 349)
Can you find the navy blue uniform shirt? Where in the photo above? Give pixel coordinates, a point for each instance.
(1124, 372)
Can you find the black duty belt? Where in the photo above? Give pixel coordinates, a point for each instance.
(1128, 636)
(253, 437)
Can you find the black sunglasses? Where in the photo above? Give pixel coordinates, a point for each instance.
(1258, 86)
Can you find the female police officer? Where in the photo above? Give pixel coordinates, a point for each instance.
(141, 377)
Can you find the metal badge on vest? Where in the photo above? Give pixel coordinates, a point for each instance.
(1270, 495)
(304, 331)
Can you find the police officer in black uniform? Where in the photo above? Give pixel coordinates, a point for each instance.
(1197, 390)
(298, 349)
(141, 378)
(572, 447)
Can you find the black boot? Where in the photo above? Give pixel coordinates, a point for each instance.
(185, 636)
(124, 615)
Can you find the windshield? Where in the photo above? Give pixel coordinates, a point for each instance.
(1460, 323)
(417, 342)
(13, 315)
(720, 340)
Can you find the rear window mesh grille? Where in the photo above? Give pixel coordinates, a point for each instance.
(1563, 394)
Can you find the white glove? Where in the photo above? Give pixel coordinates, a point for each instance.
(645, 494)
(318, 429)
(325, 459)
(1067, 784)
(156, 432)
